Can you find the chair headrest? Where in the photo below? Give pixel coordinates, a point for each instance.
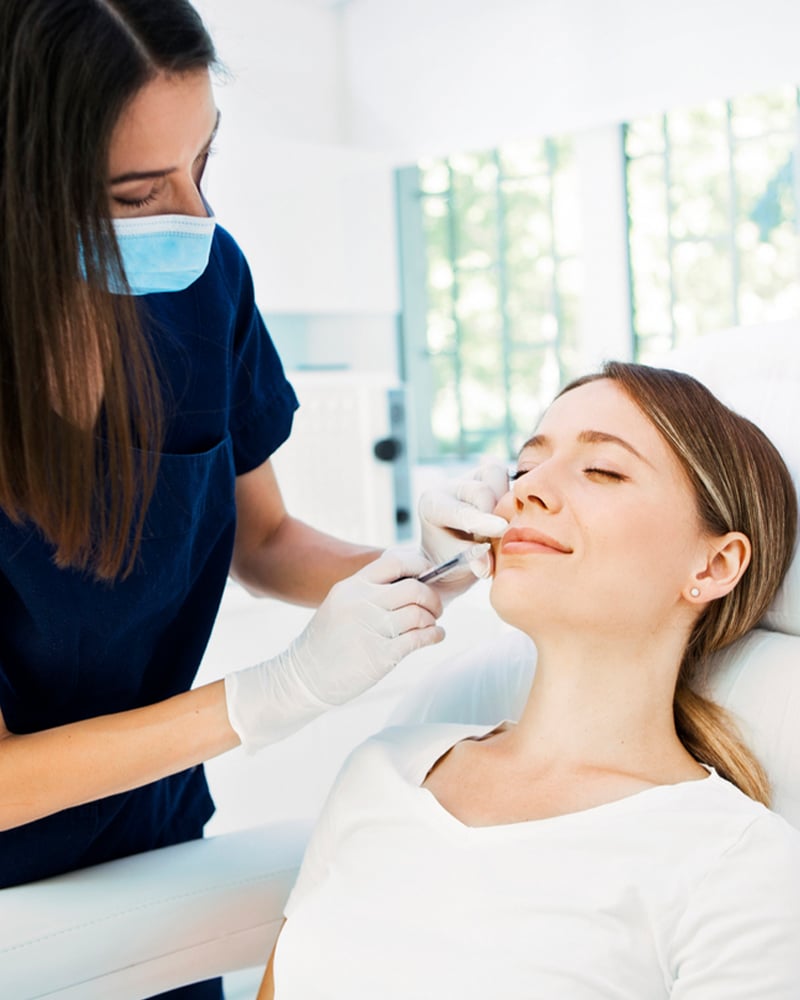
(756, 372)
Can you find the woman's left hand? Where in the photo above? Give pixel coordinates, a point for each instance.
(456, 515)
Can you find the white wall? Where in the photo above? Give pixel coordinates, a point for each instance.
(441, 75)
(314, 215)
(326, 99)
(436, 76)
(286, 63)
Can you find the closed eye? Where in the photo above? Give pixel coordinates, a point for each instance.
(514, 474)
(136, 202)
(606, 474)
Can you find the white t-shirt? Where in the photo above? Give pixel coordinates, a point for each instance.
(688, 891)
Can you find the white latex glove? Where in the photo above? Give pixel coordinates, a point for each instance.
(362, 629)
(459, 513)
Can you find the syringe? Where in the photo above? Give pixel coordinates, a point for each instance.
(467, 556)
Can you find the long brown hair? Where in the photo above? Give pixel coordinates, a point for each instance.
(740, 483)
(80, 468)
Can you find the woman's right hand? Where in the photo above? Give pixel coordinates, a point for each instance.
(363, 628)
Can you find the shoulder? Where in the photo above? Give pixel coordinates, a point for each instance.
(727, 827)
(751, 860)
(766, 843)
(740, 818)
(410, 751)
(738, 933)
(224, 246)
(227, 261)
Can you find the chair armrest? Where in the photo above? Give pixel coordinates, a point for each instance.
(144, 924)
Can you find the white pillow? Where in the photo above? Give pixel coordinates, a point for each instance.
(756, 372)
(758, 680)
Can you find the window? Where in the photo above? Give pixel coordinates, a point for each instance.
(496, 313)
(491, 247)
(711, 214)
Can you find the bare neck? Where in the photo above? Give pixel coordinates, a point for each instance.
(605, 704)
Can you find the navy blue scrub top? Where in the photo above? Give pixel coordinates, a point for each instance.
(72, 648)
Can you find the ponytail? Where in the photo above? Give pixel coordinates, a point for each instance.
(711, 736)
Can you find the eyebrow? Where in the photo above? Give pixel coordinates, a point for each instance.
(588, 437)
(146, 175)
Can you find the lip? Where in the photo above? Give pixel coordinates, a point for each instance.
(526, 540)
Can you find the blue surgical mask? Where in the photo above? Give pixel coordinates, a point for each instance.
(162, 253)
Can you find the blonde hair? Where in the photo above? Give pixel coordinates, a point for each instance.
(740, 483)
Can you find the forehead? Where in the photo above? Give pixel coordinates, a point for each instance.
(170, 117)
(602, 406)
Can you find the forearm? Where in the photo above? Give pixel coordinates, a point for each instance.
(297, 563)
(43, 773)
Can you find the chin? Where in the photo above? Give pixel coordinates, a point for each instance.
(511, 597)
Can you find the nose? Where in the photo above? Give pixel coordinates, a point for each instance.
(188, 200)
(534, 489)
(193, 204)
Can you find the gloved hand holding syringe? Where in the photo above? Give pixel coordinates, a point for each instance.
(466, 557)
(371, 620)
(456, 516)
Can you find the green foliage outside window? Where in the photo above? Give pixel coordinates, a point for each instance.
(492, 254)
(712, 218)
(502, 291)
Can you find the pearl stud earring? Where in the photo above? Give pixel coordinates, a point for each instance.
(695, 591)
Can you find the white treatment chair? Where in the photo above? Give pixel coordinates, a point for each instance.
(135, 927)
(756, 371)
(148, 923)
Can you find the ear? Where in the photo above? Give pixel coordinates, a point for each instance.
(725, 560)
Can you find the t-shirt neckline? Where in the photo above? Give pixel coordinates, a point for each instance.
(438, 813)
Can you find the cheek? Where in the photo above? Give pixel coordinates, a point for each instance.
(641, 552)
(505, 506)
(506, 597)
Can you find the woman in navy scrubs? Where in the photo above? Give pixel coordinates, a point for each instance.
(140, 400)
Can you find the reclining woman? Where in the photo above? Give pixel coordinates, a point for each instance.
(614, 843)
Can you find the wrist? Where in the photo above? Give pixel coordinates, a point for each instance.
(269, 701)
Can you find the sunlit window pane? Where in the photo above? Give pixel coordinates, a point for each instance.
(503, 290)
(526, 217)
(645, 135)
(530, 299)
(524, 159)
(765, 182)
(697, 128)
(567, 208)
(434, 176)
(534, 379)
(570, 283)
(761, 114)
(699, 192)
(703, 289)
(445, 412)
(483, 398)
(435, 220)
(712, 218)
